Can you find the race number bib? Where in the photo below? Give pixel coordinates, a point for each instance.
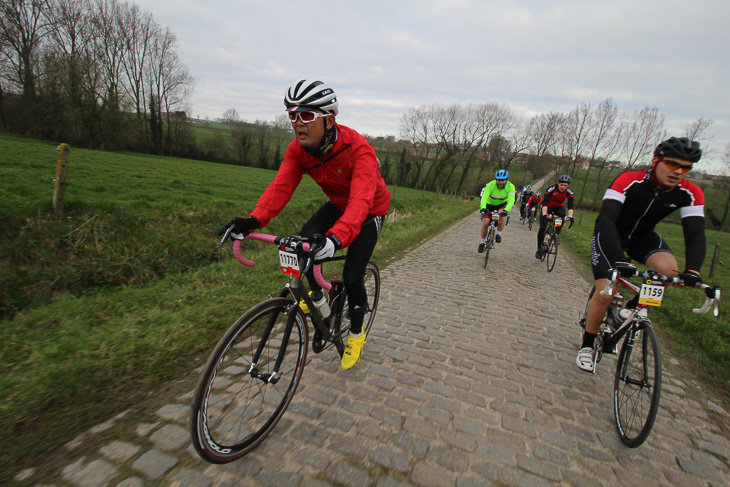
(289, 263)
(651, 294)
(558, 222)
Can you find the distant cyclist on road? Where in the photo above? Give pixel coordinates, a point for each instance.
(524, 198)
(553, 203)
(497, 195)
(632, 206)
(533, 204)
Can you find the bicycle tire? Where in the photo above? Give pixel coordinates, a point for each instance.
(637, 385)
(489, 245)
(529, 224)
(372, 288)
(552, 253)
(233, 412)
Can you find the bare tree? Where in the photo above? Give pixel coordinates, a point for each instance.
(416, 127)
(230, 116)
(641, 133)
(23, 26)
(697, 130)
(282, 122)
(243, 140)
(577, 128)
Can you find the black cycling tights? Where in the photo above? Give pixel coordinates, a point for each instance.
(358, 255)
(555, 211)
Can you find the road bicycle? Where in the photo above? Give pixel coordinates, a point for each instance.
(253, 372)
(551, 241)
(638, 376)
(531, 218)
(491, 232)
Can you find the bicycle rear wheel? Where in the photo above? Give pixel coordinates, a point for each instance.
(372, 288)
(552, 253)
(237, 402)
(637, 385)
(489, 245)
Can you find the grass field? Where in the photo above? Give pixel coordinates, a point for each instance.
(126, 292)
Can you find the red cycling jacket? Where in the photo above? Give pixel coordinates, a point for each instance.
(348, 175)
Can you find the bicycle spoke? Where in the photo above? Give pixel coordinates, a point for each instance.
(637, 385)
(237, 403)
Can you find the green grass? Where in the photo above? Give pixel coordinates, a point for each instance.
(126, 292)
(702, 339)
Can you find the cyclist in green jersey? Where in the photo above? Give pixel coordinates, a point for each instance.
(497, 195)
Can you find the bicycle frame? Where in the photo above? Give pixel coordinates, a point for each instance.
(641, 312)
(299, 292)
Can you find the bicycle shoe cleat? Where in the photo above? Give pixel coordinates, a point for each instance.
(353, 349)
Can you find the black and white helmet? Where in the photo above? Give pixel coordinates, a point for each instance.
(311, 95)
(565, 178)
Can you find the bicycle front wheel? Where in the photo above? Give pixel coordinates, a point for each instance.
(249, 381)
(372, 288)
(529, 224)
(637, 385)
(552, 253)
(489, 245)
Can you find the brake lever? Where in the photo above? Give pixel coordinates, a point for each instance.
(225, 237)
(712, 300)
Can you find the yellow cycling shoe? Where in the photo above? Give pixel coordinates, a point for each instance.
(353, 350)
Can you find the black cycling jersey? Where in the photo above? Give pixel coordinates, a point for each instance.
(633, 205)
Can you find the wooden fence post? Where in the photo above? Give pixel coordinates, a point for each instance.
(59, 188)
(715, 260)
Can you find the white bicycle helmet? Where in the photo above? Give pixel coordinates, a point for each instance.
(311, 95)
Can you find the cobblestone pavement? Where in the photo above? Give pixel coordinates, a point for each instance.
(468, 379)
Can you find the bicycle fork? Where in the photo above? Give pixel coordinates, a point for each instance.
(274, 376)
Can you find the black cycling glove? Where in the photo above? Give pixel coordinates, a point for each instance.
(690, 278)
(241, 226)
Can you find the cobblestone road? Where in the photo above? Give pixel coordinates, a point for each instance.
(468, 379)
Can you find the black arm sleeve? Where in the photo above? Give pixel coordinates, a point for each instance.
(606, 228)
(570, 202)
(695, 243)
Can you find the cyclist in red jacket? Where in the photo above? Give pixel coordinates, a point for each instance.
(632, 206)
(344, 165)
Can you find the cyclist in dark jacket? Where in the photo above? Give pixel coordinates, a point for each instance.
(553, 202)
(632, 206)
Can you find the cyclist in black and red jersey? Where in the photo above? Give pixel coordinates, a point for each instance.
(345, 166)
(632, 206)
(532, 204)
(553, 205)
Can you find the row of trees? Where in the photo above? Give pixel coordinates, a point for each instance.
(98, 73)
(467, 142)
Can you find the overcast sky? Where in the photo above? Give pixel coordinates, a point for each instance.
(384, 57)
